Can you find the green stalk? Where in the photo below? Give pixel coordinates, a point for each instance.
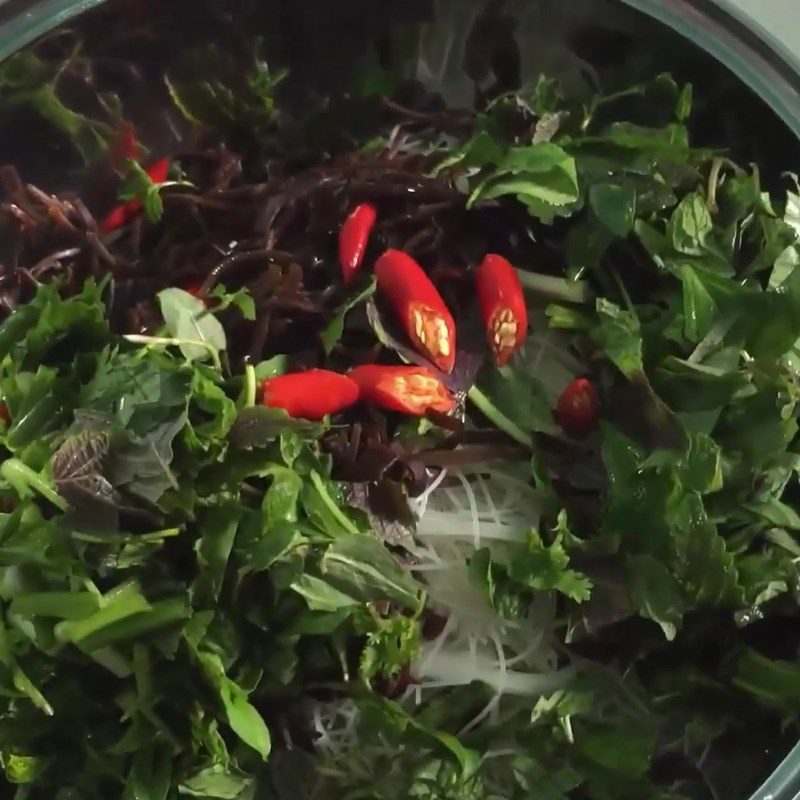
(500, 420)
(154, 536)
(24, 480)
(249, 386)
(558, 288)
(337, 512)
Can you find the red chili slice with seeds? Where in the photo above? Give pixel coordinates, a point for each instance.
(408, 389)
(418, 307)
(502, 306)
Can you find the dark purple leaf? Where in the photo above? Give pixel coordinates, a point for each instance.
(385, 503)
(78, 473)
(260, 425)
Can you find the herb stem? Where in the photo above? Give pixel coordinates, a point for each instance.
(713, 182)
(556, 288)
(626, 298)
(249, 386)
(154, 536)
(337, 512)
(23, 479)
(500, 420)
(717, 163)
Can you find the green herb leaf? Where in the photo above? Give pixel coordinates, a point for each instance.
(773, 682)
(618, 334)
(140, 186)
(188, 320)
(360, 565)
(390, 648)
(243, 718)
(656, 593)
(690, 225)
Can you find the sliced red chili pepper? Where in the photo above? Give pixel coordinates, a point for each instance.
(353, 238)
(418, 307)
(4, 415)
(311, 394)
(123, 145)
(119, 216)
(158, 170)
(578, 408)
(502, 306)
(126, 212)
(408, 389)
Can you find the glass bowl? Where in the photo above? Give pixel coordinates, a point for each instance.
(54, 121)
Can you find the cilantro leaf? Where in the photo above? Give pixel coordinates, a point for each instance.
(531, 566)
(392, 646)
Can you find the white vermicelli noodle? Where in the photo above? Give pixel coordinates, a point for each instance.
(461, 511)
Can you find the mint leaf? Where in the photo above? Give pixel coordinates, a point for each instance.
(699, 309)
(618, 334)
(690, 225)
(614, 206)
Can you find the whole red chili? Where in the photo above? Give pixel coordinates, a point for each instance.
(578, 408)
(353, 238)
(502, 306)
(311, 394)
(128, 211)
(408, 389)
(418, 307)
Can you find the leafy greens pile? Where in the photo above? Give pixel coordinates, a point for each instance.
(202, 597)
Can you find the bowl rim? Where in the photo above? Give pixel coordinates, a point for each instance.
(739, 42)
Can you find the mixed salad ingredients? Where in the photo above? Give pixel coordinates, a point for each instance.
(457, 463)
